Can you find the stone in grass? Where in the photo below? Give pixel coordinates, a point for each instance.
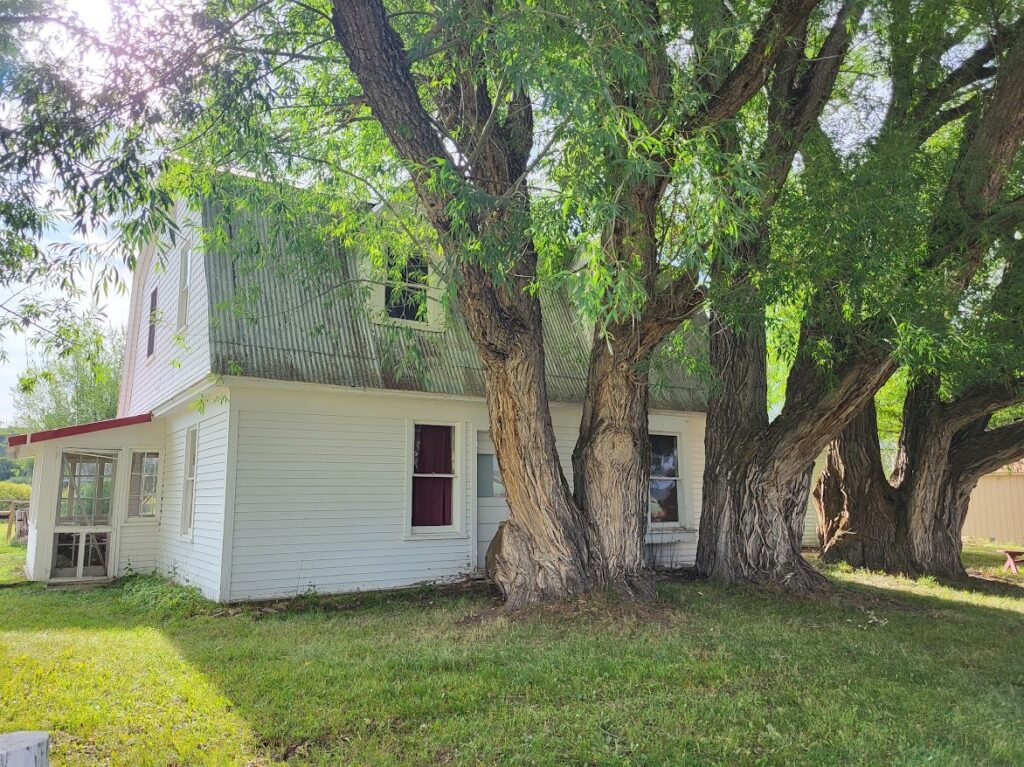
(25, 749)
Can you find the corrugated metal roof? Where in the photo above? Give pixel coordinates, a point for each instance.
(286, 322)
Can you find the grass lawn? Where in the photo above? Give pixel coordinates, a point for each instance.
(12, 560)
(878, 670)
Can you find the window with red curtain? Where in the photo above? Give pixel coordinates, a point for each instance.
(432, 476)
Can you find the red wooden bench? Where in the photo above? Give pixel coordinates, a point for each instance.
(1013, 558)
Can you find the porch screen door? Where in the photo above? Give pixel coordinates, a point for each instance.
(81, 538)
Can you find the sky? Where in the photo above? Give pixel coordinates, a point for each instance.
(18, 348)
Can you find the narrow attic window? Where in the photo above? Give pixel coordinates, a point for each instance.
(184, 280)
(151, 338)
(405, 295)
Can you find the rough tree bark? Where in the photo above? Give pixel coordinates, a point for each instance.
(747, 526)
(611, 465)
(912, 523)
(861, 517)
(756, 485)
(819, 407)
(545, 549)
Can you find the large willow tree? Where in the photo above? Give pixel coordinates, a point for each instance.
(873, 244)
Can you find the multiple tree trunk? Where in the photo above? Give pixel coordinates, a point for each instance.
(911, 522)
(557, 542)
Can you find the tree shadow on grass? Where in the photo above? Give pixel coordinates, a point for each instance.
(725, 674)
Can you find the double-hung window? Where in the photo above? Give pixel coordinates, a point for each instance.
(433, 476)
(664, 483)
(142, 485)
(188, 490)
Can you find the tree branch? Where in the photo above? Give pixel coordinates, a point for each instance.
(985, 452)
(751, 72)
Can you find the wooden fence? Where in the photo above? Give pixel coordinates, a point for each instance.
(13, 518)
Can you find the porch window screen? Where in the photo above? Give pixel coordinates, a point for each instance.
(86, 489)
(664, 488)
(432, 476)
(142, 499)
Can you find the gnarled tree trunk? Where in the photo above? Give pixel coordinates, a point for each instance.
(861, 517)
(546, 547)
(747, 530)
(922, 477)
(544, 550)
(611, 468)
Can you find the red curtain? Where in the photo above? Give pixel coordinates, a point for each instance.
(432, 496)
(431, 501)
(433, 450)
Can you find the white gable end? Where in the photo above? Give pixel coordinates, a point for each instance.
(178, 356)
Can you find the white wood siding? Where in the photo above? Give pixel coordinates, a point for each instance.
(180, 359)
(810, 537)
(195, 559)
(137, 546)
(321, 494)
(996, 511)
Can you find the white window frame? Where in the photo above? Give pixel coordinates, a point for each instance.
(129, 454)
(116, 457)
(457, 528)
(434, 319)
(678, 479)
(184, 284)
(189, 472)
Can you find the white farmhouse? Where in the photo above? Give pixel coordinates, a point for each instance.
(307, 442)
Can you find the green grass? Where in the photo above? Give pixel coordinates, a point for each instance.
(878, 670)
(12, 560)
(984, 558)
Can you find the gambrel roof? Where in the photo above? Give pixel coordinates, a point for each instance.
(283, 321)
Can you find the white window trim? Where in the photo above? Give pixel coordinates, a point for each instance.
(189, 492)
(151, 317)
(679, 524)
(80, 565)
(457, 529)
(143, 521)
(434, 322)
(116, 454)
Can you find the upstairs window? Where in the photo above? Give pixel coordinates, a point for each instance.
(142, 498)
(405, 295)
(151, 338)
(433, 475)
(184, 280)
(664, 484)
